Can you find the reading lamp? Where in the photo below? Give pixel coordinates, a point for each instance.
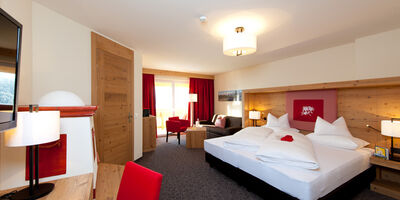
(391, 128)
(254, 115)
(34, 128)
(192, 99)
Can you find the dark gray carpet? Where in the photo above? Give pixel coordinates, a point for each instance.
(188, 176)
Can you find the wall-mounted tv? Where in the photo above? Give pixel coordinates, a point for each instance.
(10, 54)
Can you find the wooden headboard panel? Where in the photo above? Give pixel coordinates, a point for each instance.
(358, 105)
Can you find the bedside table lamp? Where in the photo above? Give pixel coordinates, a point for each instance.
(254, 115)
(192, 99)
(391, 128)
(34, 128)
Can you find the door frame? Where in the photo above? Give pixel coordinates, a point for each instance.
(100, 42)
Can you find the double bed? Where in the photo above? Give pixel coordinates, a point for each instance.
(340, 171)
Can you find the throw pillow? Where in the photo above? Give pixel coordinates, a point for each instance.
(220, 122)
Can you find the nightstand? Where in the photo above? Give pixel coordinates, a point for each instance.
(387, 181)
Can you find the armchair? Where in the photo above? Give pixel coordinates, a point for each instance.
(176, 125)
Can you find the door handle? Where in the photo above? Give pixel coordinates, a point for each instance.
(130, 117)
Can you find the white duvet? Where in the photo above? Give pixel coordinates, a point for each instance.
(298, 153)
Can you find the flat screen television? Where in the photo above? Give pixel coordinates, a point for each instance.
(10, 53)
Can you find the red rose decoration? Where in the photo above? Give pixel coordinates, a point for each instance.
(287, 138)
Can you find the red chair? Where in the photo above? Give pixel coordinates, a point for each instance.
(139, 183)
(176, 125)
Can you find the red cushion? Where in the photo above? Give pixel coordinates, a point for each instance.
(139, 183)
(220, 122)
(287, 138)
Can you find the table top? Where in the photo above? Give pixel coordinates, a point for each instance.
(196, 129)
(385, 163)
(108, 180)
(76, 187)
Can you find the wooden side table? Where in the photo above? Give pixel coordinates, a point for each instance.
(195, 137)
(387, 181)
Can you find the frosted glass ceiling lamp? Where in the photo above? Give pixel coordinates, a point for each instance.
(240, 43)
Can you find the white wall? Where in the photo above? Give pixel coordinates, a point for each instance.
(374, 56)
(21, 10)
(138, 116)
(61, 54)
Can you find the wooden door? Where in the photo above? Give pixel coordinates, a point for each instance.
(112, 91)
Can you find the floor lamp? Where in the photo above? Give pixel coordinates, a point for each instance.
(34, 128)
(192, 99)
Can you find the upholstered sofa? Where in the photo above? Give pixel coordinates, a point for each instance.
(232, 125)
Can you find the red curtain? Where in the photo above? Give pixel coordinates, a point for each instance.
(149, 93)
(204, 107)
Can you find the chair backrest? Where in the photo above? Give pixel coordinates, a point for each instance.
(173, 118)
(139, 183)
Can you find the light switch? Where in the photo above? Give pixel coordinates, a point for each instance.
(136, 115)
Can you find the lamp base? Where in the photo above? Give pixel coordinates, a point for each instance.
(40, 191)
(394, 151)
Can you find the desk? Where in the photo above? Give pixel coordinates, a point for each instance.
(76, 187)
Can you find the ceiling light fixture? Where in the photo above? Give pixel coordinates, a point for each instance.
(203, 19)
(240, 43)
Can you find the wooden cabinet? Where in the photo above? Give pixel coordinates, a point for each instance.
(387, 179)
(149, 133)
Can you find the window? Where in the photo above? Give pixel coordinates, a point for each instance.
(172, 94)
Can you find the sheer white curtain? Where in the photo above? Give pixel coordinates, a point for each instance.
(172, 95)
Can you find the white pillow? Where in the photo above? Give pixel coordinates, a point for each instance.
(338, 127)
(360, 143)
(279, 129)
(338, 141)
(282, 122)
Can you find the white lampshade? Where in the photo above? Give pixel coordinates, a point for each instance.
(239, 44)
(192, 97)
(391, 129)
(254, 114)
(34, 128)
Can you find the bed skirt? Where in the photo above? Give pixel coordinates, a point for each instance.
(266, 191)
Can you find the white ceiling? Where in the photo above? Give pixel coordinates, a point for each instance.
(171, 37)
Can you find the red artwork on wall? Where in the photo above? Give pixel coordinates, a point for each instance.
(308, 110)
(304, 107)
(52, 158)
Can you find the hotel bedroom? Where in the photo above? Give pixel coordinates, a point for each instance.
(199, 100)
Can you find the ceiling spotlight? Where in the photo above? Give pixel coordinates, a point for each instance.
(203, 19)
(240, 43)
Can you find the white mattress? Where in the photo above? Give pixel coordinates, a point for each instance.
(337, 166)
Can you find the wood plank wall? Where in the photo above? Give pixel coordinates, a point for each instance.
(359, 106)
